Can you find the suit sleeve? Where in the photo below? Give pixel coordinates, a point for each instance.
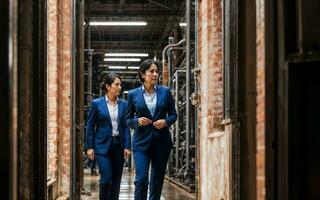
(127, 134)
(172, 113)
(91, 123)
(131, 120)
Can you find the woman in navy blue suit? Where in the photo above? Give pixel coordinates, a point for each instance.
(108, 139)
(150, 111)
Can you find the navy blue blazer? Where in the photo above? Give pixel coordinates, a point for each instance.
(147, 137)
(99, 126)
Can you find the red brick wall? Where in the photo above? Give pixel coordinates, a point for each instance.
(65, 105)
(210, 60)
(53, 63)
(59, 76)
(260, 100)
(214, 143)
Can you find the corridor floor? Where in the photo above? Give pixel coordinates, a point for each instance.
(91, 187)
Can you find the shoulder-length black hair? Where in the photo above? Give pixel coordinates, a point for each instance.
(145, 65)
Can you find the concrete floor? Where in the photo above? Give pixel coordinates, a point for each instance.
(91, 188)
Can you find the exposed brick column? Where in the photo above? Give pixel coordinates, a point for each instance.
(65, 106)
(59, 77)
(260, 156)
(53, 62)
(214, 142)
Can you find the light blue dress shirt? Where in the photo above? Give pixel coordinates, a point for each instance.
(150, 99)
(113, 112)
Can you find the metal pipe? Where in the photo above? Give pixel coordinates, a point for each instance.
(164, 61)
(177, 130)
(169, 54)
(80, 90)
(177, 48)
(89, 98)
(170, 62)
(188, 80)
(197, 139)
(177, 121)
(73, 173)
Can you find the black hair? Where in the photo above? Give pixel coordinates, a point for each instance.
(145, 65)
(108, 80)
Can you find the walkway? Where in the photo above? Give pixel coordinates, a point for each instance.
(91, 185)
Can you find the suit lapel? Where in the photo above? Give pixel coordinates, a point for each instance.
(158, 100)
(104, 102)
(120, 109)
(141, 99)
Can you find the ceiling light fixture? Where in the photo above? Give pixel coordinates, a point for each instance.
(133, 67)
(117, 67)
(182, 24)
(122, 59)
(101, 23)
(127, 54)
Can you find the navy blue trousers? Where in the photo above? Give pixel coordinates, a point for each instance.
(110, 169)
(142, 160)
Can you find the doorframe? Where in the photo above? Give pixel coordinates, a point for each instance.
(77, 99)
(271, 104)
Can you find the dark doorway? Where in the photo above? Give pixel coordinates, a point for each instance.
(292, 100)
(304, 131)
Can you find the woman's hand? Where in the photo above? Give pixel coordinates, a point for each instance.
(90, 154)
(143, 121)
(127, 153)
(159, 124)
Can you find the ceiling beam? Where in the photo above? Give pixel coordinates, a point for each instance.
(161, 4)
(142, 14)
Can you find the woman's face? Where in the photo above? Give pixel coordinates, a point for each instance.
(115, 88)
(151, 75)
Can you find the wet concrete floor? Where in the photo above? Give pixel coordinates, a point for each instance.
(91, 188)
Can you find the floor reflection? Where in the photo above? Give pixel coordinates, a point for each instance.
(91, 188)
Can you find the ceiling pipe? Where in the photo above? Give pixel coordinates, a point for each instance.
(165, 71)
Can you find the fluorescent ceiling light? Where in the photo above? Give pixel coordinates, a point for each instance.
(133, 67)
(117, 67)
(127, 54)
(123, 59)
(182, 24)
(118, 23)
(125, 92)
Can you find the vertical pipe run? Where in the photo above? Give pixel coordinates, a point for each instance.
(177, 121)
(90, 58)
(188, 79)
(170, 64)
(80, 89)
(197, 141)
(74, 189)
(165, 63)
